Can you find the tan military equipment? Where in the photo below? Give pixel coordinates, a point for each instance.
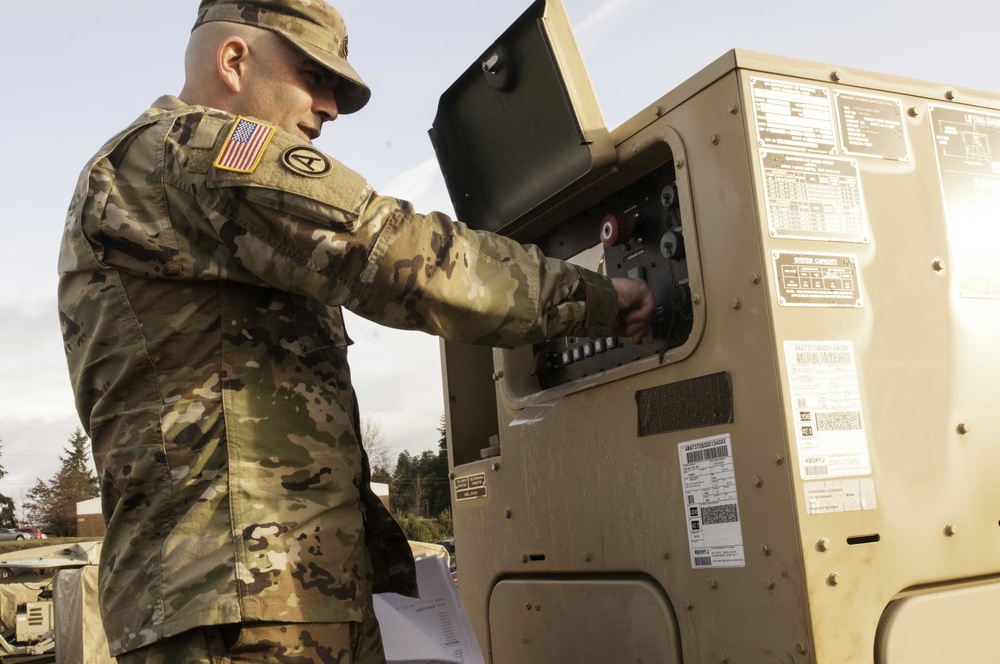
(803, 467)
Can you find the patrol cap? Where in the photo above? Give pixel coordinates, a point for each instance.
(312, 26)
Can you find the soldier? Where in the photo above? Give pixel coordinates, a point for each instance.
(207, 252)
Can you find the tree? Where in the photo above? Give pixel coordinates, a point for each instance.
(420, 484)
(7, 517)
(377, 448)
(51, 506)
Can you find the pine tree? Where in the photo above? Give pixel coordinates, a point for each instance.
(51, 506)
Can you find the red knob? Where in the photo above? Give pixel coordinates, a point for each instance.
(615, 230)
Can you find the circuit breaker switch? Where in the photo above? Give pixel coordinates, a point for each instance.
(615, 230)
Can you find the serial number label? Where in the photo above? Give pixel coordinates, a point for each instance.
(470, 487)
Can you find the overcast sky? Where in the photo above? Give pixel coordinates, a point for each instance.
(74, 73)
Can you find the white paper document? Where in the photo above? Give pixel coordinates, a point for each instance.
(431, 630)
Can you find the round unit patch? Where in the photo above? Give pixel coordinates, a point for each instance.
(307, 161)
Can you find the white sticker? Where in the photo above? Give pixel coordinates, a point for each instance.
(826, 405)
(850, 495)
(793, 116)
(712, 511)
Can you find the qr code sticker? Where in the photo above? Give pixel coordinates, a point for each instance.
(713, 514)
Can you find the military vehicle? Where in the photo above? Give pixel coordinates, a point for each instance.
(802, 467)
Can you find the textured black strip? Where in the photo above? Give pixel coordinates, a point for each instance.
(688, 404)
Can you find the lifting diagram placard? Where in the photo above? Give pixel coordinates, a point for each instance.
(968, 156)
(713, 513)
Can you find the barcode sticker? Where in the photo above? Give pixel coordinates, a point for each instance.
(713, 514)
(825, 395)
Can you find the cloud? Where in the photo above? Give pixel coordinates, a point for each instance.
(609, 10)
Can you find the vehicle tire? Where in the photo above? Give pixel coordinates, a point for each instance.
(19, 537)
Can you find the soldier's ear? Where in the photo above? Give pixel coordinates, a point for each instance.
(231, 62)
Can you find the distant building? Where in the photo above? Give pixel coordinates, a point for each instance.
(89, 520)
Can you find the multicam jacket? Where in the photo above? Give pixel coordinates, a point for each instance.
(200, 306)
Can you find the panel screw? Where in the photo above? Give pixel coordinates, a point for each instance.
(823, 545)
(528, 606)
(713, 584)
(754, 278)
(451, 476)
(950, 530)
(507, 514)
(696, 298)
(801, 648)
(835, 76)
(833, 579)
(538, 607)
(665, 554)
(688, 604)
(766, 549)
(524, 558)
(758, 481)
(938, 265)
(735, 303)
(733, 109)
(679, 163)
(769, 583)
(913, 111)
(714, 138)
(963, 428)
(587, 556)
(495, 466)
(722, 658)
(950, 95)
(777, 458)
(497, 375)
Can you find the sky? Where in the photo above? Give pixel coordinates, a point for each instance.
(74, 73)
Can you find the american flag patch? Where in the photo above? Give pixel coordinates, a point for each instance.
(244, 147)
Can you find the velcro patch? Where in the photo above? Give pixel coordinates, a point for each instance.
(307, 161)
(244, 147)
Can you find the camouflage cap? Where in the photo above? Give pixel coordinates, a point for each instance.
(312, 26)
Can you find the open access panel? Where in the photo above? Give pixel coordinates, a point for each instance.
(802, 467)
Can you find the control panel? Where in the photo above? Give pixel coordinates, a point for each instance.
(636, 232)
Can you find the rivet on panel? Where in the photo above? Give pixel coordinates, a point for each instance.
(823, 545)
(735, 303)
(801, 648)
(712, 583)
(938, 265)
(495, 466)
(833, 579)
(963, 428)
(951, 530)
(722, 658)
(451, 476)
(734, 109)
(507, 514)
(766, 549)
(714, 138)
(754, 278)
(538, 607)
(524, 558)
(665, 554)
(587, 557)
(497, 375)
(696, 298)
(679, 163)
(528, 606)
(758, 481)
(950, 95)
(688, 604)
(769, 583)
(913, 111)
(777, 458)
(835, 76)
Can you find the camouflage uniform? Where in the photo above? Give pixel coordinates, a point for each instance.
(200, 310)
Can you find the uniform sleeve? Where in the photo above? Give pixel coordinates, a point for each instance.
(302, 222)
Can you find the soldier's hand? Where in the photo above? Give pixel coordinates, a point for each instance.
(636, 306)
